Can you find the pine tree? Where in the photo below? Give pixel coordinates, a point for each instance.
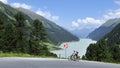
(98, 52)
(36, 39)
(116, 53)
(103, 51)
(39, 30)
(9, 38)
(91, 52)
(2, 25)
(22, 43)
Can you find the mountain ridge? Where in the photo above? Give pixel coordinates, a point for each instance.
(56, 34)
(107, 27)
(113, 38)
(106, 49)
(54, 31)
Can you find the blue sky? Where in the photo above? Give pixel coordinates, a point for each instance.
(72, 14)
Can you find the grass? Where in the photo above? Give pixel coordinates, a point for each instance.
(13, 55)
(52, 46)
(22, 55)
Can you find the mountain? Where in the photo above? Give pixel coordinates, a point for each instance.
(8, 13)
(106, 49)
(113, 38)
(100, 32)
(113, 42)
(83, 33)
(55, 33)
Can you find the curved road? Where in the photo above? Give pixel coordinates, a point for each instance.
(51, 63)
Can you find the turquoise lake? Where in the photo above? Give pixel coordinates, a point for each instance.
(79, 46)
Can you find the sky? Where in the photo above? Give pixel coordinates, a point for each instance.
(72, 14)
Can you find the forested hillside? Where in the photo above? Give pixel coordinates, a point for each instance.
(55, 33)
(107, 49)
(19, 37)
(107, 27)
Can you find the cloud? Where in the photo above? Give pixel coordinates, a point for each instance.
(23, 5)
(92, 23)
(111, 14)
(4, 1)
(89, 20)
(55, 17)
(75, 24)
(117, 2)
(47, 15)
(87, 23)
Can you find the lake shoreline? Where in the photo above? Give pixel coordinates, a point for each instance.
(79, 46)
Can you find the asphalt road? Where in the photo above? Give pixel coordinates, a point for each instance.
(51, 63)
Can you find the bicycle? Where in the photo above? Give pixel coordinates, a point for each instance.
(74, 58)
